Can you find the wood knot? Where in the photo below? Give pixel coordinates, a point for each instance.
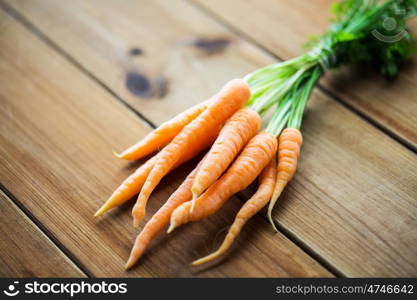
(141, 86)
(211, 45)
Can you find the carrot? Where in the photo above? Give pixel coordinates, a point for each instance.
(248, 210)
(162, 135)
(133, 184)
(161, 218)
(188, 154)
(290, 142)
(254, 157)
(230, 98)
(129, 187)
(235, 134)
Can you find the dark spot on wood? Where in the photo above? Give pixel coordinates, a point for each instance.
(211, 45)
(138, 84)
(144, 87)
(160, 87)
(135, 51)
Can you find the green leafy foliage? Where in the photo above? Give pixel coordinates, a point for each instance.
(372, 32)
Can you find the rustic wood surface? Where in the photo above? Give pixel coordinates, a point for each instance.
(26, 250)
(178, 45)
(351, 210)
(56, 159)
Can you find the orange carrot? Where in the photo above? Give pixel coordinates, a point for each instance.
(161, 136)
(248, 210)
(230, 98)
(129, 187)
(133, 184)
(161, 218)
(290, 142)
(188, 154)
(235, 134)
(254, 157)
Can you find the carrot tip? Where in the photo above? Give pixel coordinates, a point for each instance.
(193, 201)
(271, 220)
(171, 227)
(117, 154)
(100, 211)
(128, 265)
(197, 262)
(273, 225)
(205, 259)
(277, 192)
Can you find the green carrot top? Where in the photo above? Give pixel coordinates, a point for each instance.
(362, 32)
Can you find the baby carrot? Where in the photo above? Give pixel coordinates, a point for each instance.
(235, 134)
(230, 98)
(161, 136)
(129, 187)
(253, 159)
(161, 218)
(132, 185)
(138, 211)
(248, 210)
(290, 142)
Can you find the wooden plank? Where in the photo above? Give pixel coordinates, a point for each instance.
(25, 251)
(58, 129)
(334, 194)
(283, 26)
(171, 51)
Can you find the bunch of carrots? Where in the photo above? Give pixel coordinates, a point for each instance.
(229, 126)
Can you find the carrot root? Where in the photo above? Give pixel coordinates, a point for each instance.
(171, 227)
(161, 218)
(235, 134)
(139, 209)
(290, 142)
(161, 136)
(180, 216)
(129, 187)
(208, 258)
(248, 210)
(193, 138)
(254, 157)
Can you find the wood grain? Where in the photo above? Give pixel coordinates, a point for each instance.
(354, 197)
(58, 129)
(351, 179)
(25, 251)
(283, 27)
(177, 46)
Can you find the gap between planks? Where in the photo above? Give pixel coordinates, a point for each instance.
(43, 37)
(46, 232)
(376, 124)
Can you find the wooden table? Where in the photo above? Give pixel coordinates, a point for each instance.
(81, 78)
